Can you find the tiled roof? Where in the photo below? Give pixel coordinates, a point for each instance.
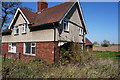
(88, 42)
(49, 15)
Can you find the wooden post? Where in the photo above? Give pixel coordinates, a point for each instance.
(4, 57)
(19, 56)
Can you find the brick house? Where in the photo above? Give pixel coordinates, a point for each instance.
(32, 34)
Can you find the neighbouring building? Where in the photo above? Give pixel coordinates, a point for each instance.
(32, 34)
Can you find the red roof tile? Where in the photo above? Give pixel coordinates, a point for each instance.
(49, 15)
(88, 42)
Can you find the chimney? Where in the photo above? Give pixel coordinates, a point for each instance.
(42, 5)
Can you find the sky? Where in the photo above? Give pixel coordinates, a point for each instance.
(101, 19)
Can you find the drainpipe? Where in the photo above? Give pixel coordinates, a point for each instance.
(83, 39)
(54, 42)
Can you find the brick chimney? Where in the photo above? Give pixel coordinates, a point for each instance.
(42, 6)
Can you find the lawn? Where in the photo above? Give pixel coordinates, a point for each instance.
(106, 53)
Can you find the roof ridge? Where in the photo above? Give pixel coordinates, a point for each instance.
(57, 5)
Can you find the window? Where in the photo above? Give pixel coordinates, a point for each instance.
(12, 47)
(16, 30)
(66, 25)
(24, 28)
(29, 48)
(80, 31)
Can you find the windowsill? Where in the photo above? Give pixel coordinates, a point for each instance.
(11, 52)
(29, 54)
(23, 32)
(66, 31)
(80, 35)
(16, 34)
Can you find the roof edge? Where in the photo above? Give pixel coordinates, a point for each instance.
(15, 17)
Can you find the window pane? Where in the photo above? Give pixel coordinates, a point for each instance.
(13, 44)
(28, 47)
(33, 50)
(33, 44)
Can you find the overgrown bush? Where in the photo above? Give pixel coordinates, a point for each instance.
(72, 53)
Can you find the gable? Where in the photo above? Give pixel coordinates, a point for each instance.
(16, 16)
(75, 12)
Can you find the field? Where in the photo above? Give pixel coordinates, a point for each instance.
(114, 48)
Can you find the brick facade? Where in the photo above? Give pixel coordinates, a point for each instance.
(45, 50)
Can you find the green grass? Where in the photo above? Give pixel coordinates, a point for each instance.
(7, 59)
(106, 53)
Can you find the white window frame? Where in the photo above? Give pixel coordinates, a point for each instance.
(24, 28)
(13, 48)
(80, 31)
(31, 48)
(66, 26)
(15, 30)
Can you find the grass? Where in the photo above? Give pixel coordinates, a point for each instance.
(106, 53)
(98, 65)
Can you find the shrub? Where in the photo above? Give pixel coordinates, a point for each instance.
(105, 43)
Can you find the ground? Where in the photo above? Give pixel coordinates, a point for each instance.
(110, 48)
(102, 64)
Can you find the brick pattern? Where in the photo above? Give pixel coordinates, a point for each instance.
(44, 50)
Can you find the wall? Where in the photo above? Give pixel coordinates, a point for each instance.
(45, 50)
(73, 34)
(41, 35)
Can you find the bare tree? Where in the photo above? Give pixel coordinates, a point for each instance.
(8, 9)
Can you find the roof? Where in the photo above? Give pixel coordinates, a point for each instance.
(6, 32)
(88, 42)
(49, 15)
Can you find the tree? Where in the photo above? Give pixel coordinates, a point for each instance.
(8, 10)
(95, 43)
(105, 43)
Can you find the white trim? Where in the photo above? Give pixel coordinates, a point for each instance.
(30, 52)
(82, 15)
(15, 17)
(80, 12)
(66, 13)
(12, 51)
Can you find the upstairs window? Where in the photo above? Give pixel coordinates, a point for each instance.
(12, 47)
(24, 28)
(16, 30)
(29, 48)
(66, 26)
(80, 31)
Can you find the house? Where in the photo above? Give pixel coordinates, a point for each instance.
(33, 34)
(88, 45)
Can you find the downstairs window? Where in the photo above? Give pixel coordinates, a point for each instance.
(12, 47)
(29, 48)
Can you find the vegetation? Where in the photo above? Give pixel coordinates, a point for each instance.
(78, 66)
(105, 43)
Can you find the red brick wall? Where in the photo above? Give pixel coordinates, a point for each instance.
(43, 49)
(4, 49)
